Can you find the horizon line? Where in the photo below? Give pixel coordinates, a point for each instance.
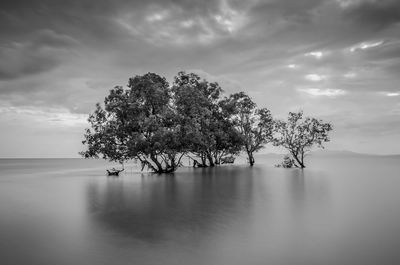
(269, 153)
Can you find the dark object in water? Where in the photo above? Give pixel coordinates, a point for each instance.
(227, 160)
(114, 172)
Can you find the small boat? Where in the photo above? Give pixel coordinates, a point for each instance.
(114, 172)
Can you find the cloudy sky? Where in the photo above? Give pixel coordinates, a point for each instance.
(338, 60)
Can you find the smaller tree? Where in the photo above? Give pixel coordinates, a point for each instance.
(254, 125)
(298, 135)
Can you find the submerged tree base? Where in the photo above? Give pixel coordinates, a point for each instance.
(287, 162)
(114, 172)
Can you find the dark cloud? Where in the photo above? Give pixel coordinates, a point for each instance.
(388, 50)
(294, 11)
(48, 37)
(40, 53)
(376, 14)
(96, 19)
(87, 21)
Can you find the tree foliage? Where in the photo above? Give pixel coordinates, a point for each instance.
(254, 125)
(298, 135)
(137, 123)
(158, 124)
(209, 136)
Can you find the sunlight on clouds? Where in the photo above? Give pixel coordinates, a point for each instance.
(346, 3)
(292, 66)
(350, 3)
(225, 22)
(315, 77)
(230, 19)
(172, 25)
(365, 45)
(157, 16)
(350, 75)
(392, 94)
(61, 116)
(169, 30)
(316, 54)
(323, 92)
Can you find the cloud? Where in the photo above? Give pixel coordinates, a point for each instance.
(315, 77)
(50, 38)
(372, 13)
(352, 3)
(181, 25)
(49, 115)
(316, 54)
(365, 45)
(392, 94)
(317, 92)
(292, 66)
(42, 53)
(350, 75)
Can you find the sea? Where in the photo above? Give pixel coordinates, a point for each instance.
(341, 209)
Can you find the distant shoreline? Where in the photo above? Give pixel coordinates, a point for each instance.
(318, 153)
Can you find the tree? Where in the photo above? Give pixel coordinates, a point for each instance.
(207, 134)
(254, 125)
(298, 135)
(137, 123)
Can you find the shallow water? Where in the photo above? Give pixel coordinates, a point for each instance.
(336, 211)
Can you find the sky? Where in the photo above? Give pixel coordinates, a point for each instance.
(337, 60)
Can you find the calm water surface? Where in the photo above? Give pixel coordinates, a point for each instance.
(337, 211)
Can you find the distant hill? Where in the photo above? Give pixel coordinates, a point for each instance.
(324, 152)
(331, 153)
(345, 153)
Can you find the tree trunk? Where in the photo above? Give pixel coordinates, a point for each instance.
(159, 168)
(203, 160)
(300, 162)
(251, 158)
(210, 159)
(302, 159)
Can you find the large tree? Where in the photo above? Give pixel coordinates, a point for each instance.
(208, 135)
(137, 123)
(298, 135)
(254, 125)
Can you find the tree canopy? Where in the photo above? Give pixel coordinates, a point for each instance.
(157, 124)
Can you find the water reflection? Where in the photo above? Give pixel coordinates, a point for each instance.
(172, 206)
(307, 188)
(231, 215)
